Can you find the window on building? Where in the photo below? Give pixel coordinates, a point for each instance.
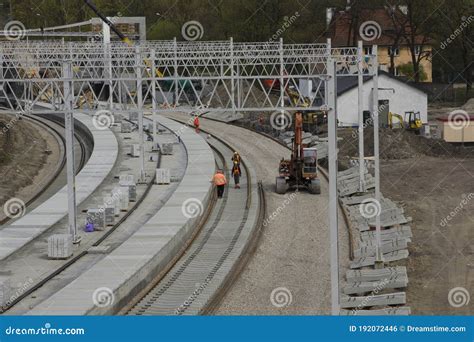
(393, 51)
(396, 72)
(417, 50)
(367, 50)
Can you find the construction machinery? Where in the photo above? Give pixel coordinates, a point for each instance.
(413, 122)
(301, 170)
(394, 115)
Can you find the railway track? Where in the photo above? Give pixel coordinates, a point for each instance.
(200, 276)
(49, 277)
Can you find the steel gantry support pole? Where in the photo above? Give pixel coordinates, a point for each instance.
(375, 114)
(175, 62)
(153, 97)
(333, 198)
(70, 161)
(282, 80)
(140, 113)
(232, 77)
(360, 107)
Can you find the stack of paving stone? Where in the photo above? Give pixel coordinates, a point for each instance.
(348, 181)
(372, 291)
(309, 140)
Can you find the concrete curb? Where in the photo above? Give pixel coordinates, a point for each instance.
(16, 235)
(130, 267)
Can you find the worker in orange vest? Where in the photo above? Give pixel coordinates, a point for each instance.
(196, 124)
(219, 181)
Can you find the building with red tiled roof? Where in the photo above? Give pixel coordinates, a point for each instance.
(381, 27)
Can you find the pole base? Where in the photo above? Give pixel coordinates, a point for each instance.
(379, 264)
(77, 240)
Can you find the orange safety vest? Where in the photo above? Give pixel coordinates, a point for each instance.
(219, 179)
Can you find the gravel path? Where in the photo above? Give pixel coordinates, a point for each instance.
(292, 257)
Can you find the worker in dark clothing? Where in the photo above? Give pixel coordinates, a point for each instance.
(219, 181)
(236, 172)
(236, 158)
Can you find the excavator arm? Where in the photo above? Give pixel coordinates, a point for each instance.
(114, 28)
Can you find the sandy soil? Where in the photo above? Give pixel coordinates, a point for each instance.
(23, 160)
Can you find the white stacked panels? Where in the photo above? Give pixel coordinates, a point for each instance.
(163, 176)
(117, 199)
(167, 148)
(117, 117)
(126, 127)
(135, 150)
(133, 116)
(132, 189)
(97, 217)
(60, 246)
(5, 291)
(109, 210)
(124, 199)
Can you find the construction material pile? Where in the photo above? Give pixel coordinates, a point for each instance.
(370, 290)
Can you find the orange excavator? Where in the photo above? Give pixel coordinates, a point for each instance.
(301, 170)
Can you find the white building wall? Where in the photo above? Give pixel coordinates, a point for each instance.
(405, 98)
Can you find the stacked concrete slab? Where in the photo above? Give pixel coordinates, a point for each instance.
(22, 231)
(371, 291)
(309, 140)
(129, 268)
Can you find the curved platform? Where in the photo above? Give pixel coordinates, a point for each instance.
(131, 266)
(16, 235)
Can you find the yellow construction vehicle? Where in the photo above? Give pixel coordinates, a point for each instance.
(398, 116)
(414, 121)
(411, 122)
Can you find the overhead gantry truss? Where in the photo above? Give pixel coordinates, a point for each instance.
(219, 75)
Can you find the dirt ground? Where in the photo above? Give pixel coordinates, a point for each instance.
(22, 156)
(434, 181)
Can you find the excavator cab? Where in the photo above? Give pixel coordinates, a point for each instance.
(310, 163)
(413, 121)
